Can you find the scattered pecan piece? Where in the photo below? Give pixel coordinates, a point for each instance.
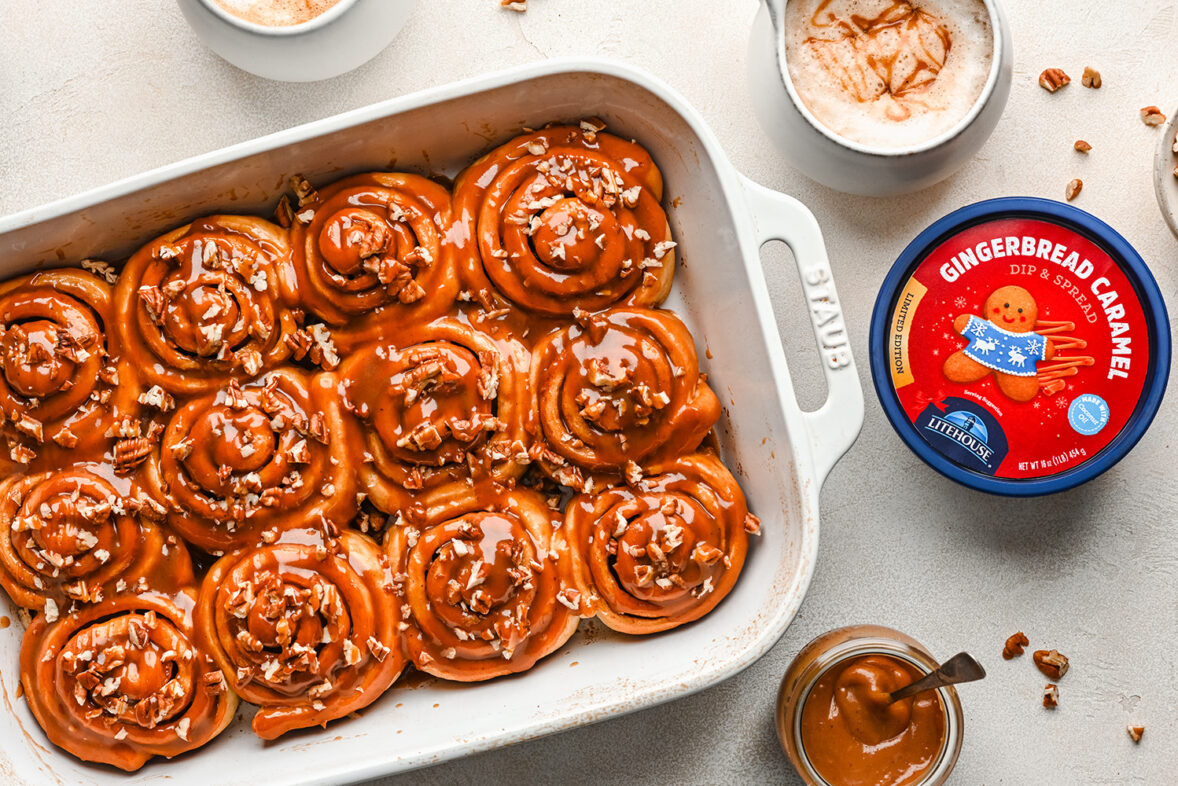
(1051, 696)
(1152, 116)
(1135, 732)
(130, 453)
(1082, 146)
(1053, 79)
(1051, 663)
(1073, 189)
(1014, 646)
(1091, 78)
(515, 5)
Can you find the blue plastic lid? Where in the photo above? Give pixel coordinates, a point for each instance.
(1020, 346)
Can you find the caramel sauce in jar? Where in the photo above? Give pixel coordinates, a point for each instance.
(854, 737)
(837, 726)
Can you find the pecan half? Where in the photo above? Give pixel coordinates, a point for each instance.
(1051, 663)
(1053, 79)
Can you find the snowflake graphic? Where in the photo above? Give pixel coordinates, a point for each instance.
(936, 352)
(1061, 403)
(1036, 404)
(960, 302)
(978, 329)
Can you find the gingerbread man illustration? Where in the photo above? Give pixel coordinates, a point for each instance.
(1002, 342)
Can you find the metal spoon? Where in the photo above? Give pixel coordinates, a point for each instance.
(960, 668)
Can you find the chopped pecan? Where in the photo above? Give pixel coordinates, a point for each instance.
(1051, 696)
(1051, 663)
(1053, 79)
(130, 453)
(1081, 146)
(1073, 189)
(1091, 78)
(1135, 732)
(1015, 646)
(1152, 116)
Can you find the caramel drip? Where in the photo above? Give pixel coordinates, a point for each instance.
(564, 219)
(1051, 376)
(71, 536)
(621, 387)
(121, 681)
(207, 302)
(59, 371)
(662, 551)
(247, 458)
(897, 53)
(483, 583)
(305, 627)
(369, 253)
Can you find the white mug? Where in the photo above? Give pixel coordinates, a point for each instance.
(343, 37)
(855, 168)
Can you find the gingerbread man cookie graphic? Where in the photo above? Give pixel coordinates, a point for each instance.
(1010, 341)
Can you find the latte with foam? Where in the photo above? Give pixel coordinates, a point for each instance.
(888, 73)
(277, 13)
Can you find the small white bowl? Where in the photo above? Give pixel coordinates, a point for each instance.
(340, 39)
(1165, 184)
(851, 167)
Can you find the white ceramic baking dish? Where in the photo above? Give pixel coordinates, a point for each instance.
(781, 454)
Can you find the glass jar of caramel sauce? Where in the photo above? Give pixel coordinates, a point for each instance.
(837, 726)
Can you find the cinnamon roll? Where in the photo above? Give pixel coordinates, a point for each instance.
(121, 681)
(481, 579)
(439, 403)
(618, 389)
(252, 456)
(563, 219)
(306, 627)
(663, 552)
(71, 536)
(207, 302)
(59, 371)
(369, 253)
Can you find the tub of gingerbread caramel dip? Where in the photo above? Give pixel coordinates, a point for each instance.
(839, 727)
(1020, 346)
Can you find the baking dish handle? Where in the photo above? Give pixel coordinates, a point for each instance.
(832, 428)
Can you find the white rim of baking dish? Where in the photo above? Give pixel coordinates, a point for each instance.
(817, 438)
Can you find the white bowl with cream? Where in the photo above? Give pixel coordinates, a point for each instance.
(256, 36)
(879, 98)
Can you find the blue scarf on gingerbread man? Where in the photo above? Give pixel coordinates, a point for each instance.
(1001, 350)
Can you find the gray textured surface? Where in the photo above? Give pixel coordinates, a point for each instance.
(87, 97)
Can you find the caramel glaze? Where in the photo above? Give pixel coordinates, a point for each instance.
(661, 551)
(370, 253)
(901, 51)
(483, 581)
(854, 737)
(306, 626)
(120, 681)
(197, 449)
(562, 219)
(620, 388)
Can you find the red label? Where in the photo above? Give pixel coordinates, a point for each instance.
(1018, 348)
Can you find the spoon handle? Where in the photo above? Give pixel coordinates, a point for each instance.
(960, 668)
